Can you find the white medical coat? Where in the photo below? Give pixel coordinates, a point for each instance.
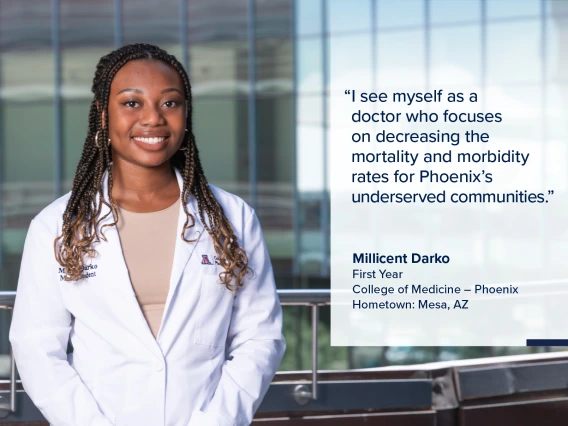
(214, 356)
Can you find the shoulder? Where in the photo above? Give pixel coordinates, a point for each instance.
(51, 216)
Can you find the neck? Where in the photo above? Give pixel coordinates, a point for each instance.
(133, 180)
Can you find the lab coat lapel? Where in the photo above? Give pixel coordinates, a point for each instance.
(183, 250)
(125, 297)
(113, 254)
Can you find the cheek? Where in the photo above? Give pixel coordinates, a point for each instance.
(120, 124)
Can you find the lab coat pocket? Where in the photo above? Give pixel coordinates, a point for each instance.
(213, 312)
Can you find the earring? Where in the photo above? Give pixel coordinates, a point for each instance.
(108, 143)
(97, 139)
(183, 149)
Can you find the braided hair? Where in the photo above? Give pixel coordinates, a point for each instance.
(81, 216)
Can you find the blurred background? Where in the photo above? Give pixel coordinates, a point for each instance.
(260, 72)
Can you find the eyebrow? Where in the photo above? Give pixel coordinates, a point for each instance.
(170, 89)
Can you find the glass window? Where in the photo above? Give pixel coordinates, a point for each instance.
(308, 17)
(556, 61)
(514, 52)
(450, 11)
(27, 75)
(396, 13)
(309, 110)
(455, 55)
(274, 136)
(27, 180)
(274, 65)
(221, 131)
(210, 20)
(309, 65)
(78, 65)
(151, 22)
(86, 23)
(510, 9)
(273, 18)
(219, 67)
(25, 25)
(75, 124)
(397, 70)
(349, 61)
(556, 8)
(349, 15)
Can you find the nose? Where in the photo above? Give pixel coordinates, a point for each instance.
(152, 116)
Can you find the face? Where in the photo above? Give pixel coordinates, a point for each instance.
(146, 110)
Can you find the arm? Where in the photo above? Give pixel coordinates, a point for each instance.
(255, 343)
(39, 334)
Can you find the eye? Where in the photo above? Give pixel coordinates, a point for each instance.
(171, 104)
(130, 104)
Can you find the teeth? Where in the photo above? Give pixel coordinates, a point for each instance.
(150, 140)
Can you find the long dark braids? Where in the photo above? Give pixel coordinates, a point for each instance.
(81, 218)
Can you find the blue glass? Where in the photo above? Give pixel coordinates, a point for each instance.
(397, 13)
(349, 61)
(514, 52)
(401, 60)
(309, 65)
(308, 17)
(349, 15)
(451, 11)
(512, 8)
(455, 55)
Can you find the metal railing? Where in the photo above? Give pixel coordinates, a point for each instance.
(302, 393)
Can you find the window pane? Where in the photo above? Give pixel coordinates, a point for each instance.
(308, 17)
(510, 9)
(449, 11)
(27, 180)
(349, 15)
(401, 71)
(151, 22)
(217, 20)
(75, 123)
(513, 52)
(274, 66)
(86, 23)
(21, 29)
(456, 55)
(349, 61)
(556, 59)
(219, 67)
(273, 18)
(309, 65)
(221, 132)
(396, 13)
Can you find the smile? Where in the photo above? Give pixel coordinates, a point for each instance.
(151, 141)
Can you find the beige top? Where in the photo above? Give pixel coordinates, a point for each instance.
(148, 241)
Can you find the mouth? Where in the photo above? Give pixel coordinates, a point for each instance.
(150, 141)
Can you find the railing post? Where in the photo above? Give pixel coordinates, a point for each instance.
(302, 394)
(9, 408)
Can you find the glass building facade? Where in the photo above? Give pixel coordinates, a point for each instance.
(260, 73)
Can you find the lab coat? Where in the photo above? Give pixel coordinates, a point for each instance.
(215, 353)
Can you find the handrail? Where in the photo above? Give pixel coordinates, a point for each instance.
(291, 297)
(288, 297)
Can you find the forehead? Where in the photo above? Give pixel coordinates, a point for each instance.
(146, 74)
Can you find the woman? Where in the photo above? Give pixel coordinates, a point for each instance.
(160, 281)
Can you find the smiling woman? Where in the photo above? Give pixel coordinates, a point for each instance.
(160, 336)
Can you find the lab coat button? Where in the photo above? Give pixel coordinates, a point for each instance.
(159, 366)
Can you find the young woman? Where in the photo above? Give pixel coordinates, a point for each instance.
(160, 281)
